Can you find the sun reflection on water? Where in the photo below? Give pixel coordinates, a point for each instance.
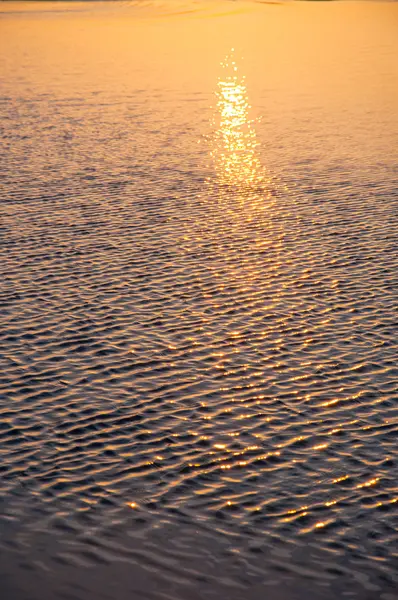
(234, 142)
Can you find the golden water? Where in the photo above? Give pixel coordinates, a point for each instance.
(198, 387)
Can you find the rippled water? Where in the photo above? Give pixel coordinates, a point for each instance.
(199, 301)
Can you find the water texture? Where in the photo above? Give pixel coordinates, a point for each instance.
(199, 269)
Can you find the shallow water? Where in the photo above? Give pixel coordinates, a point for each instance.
(199, 300)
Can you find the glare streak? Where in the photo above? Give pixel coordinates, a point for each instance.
(234, 150)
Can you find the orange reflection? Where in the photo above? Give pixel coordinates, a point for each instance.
(234, 142)
(240, 177)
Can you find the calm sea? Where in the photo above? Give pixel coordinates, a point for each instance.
(198, 300)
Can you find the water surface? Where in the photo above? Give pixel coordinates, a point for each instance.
(198, 387)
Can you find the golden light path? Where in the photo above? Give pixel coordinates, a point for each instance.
(234, 149)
